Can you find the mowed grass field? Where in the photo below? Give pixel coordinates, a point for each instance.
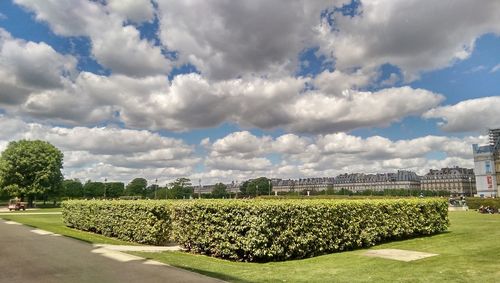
(53, 223)
(468, 252)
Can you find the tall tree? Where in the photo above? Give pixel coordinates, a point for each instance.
(259, 186)
(136, 187)
(115, 189)
(73, 188)
(152, 191)
(180, 188)
(219, 191)
(31, 167)
(244, 188)
(93, 189)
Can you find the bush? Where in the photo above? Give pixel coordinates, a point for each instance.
(475, 203)
(267, 230)
(145, 222)
(260, 230)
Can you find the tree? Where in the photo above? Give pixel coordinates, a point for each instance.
(73, 188)
(93, 189)
(330, 190)
(180, 188)
(244, 188)
(137, 187)
(115, 189)
(31, 168)
(255, 187)
(219, 191)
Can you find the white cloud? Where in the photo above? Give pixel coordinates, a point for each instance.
(475, 69)
(66, 18)
(269, 104)
(66, 106)
(121, 154)
(114, 45)
(336, 82)
(135, 10)
(92, 99)
(247, 53)
(263, 38)
(290, 144)
(495, 68)
(257, 164)
(231, 38)
(240, 143)
(332, 154)
(263, 49)
(191, 101)
(391, 80)
(317, 113)
(118, 154)
(414, 35)
(134, 57)
(468, 116)
(28, 66)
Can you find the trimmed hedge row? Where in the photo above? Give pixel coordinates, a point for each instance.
(266, 230)
(475, 203)
(291, 229)
(144, 222)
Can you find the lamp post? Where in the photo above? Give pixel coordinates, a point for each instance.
(470, 186)
(166, 191)
(156, 186)
(105, 185)
(199, 188)
(269, 187)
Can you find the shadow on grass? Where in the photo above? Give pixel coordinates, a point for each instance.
(217, 275)
(212, 274)
(402, 239)
(79, 239)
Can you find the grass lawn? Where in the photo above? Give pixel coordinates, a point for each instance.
(31, 210)
(468, 252)
(53, 223)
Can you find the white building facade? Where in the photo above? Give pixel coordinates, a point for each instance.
(456, 180)
(487, 166)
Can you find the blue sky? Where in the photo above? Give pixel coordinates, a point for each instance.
(228, 91)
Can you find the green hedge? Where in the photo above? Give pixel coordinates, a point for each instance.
(475, 203)
(261, 230)
(145, 222)
(289, 229)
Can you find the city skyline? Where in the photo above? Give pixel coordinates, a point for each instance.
(224, 91)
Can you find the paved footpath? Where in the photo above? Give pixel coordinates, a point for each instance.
(28, 255)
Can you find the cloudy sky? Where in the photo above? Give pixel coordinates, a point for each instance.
(228, 90)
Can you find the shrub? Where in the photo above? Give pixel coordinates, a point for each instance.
(475, 203)
(260, 230)
(145, 222)
(266, 230)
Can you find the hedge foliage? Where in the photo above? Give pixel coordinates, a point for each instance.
(261, 230)
(475, 203)
(141, 221)
(291, 229)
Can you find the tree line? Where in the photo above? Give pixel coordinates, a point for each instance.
(137, 188)
(31, 170)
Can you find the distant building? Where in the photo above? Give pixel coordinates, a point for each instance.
(233, 187)
(356, 182)
(306, 184)
(456, 180)
(487, 165)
